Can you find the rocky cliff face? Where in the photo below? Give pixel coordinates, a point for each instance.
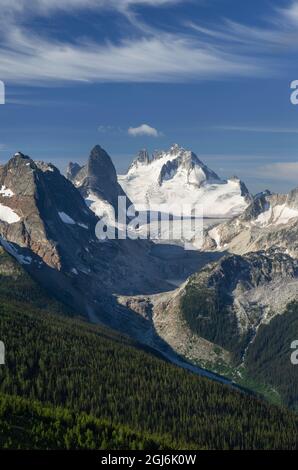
(33, 208)
(72, 170)
(271, 220)
(216, 314)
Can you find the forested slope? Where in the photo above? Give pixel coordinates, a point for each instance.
(61, 361)
(268, 361)
(27, 424)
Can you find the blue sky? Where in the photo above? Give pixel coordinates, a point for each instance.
(212, 75)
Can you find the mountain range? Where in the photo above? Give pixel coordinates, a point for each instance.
(209, 310)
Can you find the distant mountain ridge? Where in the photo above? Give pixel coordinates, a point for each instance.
(271, 220)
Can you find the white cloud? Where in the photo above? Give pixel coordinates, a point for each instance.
(44, 7)
(278, 32)
(167, 58)
(228, 49)
(290, 13)
(144, 129)
(280, 171)
(258, 129)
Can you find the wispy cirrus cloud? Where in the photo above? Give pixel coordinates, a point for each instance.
(108, 129)
(258, 129)
(278, 31)
(144, 130)
(229, 49)
(251, 37)
(48, 6)
(279, 171)
(167, 58)
(290, 13)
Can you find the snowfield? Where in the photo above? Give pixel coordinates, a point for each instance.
(68, 220)
(6, 192)
(177, 180)
(8, 215)
(278, 215)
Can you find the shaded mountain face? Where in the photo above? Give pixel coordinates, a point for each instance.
(271, 220)
(97, 181)
(72, 170)
(227, 301)
(178, 177)
(45, 222)
(42, 211)
(46, 225)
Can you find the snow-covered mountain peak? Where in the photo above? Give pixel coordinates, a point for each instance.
(168, 162)
(142, 158)
(186, 166)
(271, 220)
(160, 157)
(176, 150)
(177, 176)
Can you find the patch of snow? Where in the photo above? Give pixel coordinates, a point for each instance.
(6, 192)
(215, 235)
(66, 218)
(13, 252)
(264, 217)
(283, 214)
(104, 209)
(24, 259)
(100, 207)
(277, 215)
(85, 271)
(8, 215)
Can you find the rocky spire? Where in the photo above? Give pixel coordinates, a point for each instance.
(99, 177)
